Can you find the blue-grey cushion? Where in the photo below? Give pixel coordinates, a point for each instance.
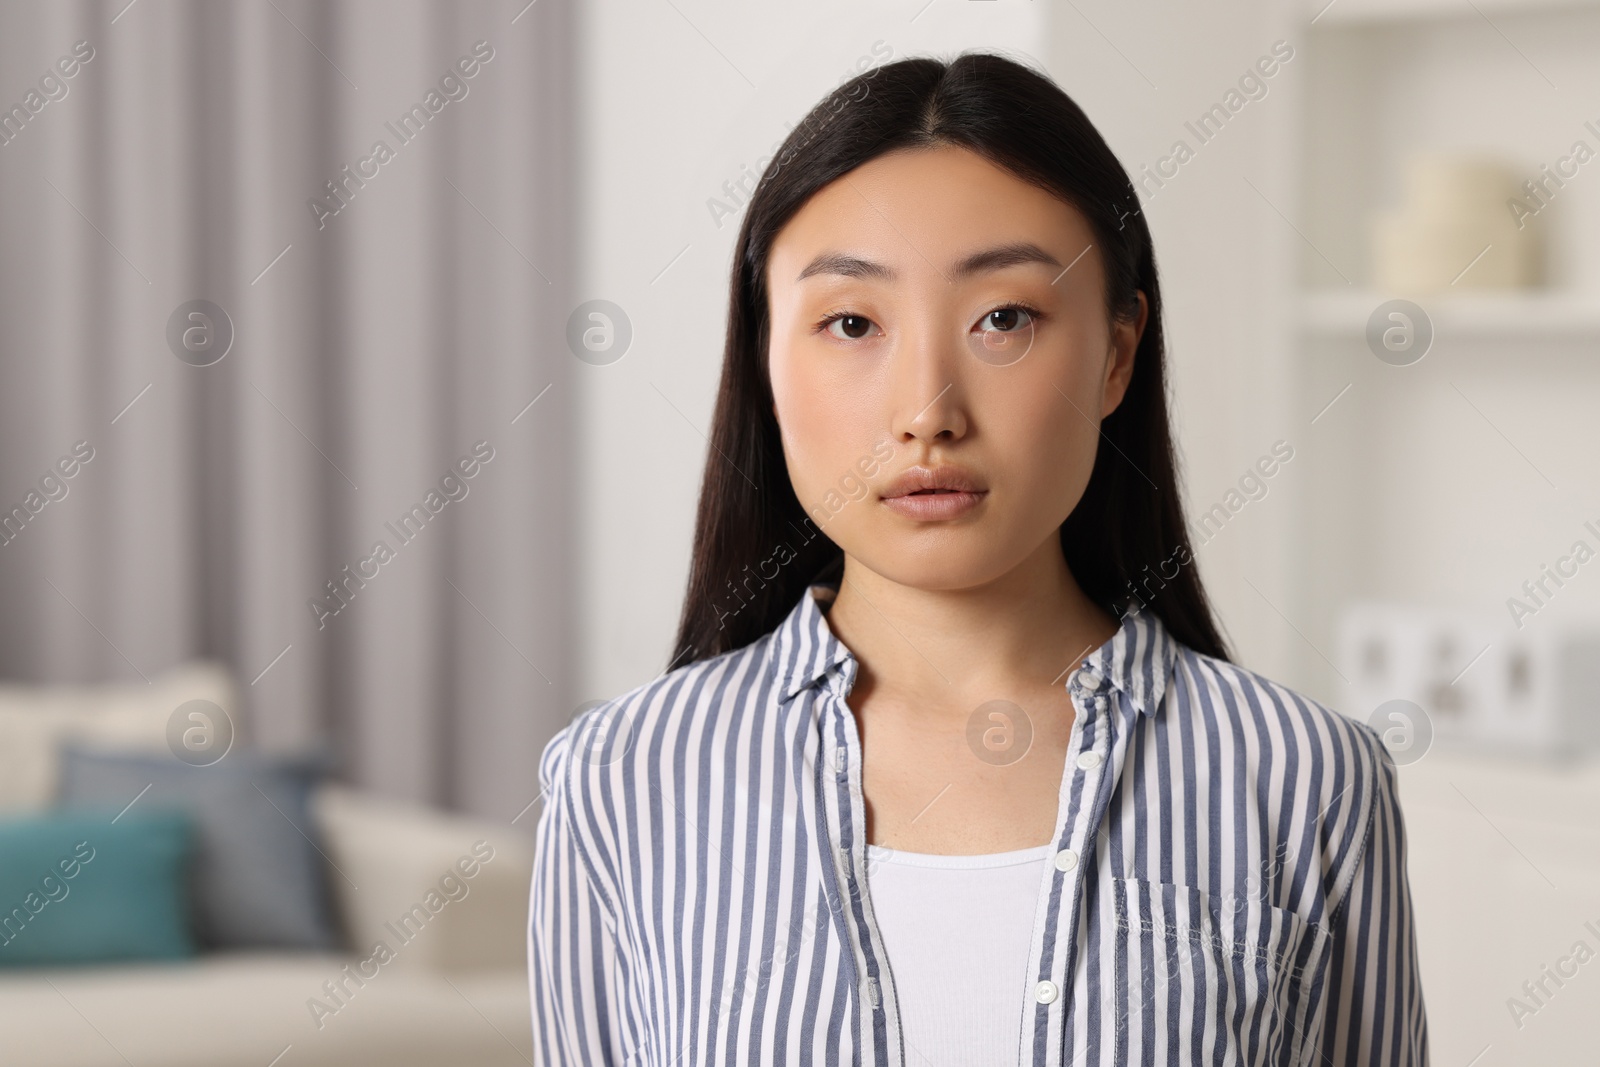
(259, 874)
(82, 888)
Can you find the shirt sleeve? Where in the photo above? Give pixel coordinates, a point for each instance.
(1375, 1015)
(577, 971)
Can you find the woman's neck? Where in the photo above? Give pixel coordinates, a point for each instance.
(948, 650)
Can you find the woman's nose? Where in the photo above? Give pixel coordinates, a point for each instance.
(927, 394)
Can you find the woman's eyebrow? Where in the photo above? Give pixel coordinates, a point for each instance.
(1008, 255)
(1004, 256)
(847, 265)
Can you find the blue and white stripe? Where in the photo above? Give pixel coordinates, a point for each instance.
(1229, 884)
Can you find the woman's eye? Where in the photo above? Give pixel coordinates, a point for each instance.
(850, 327)
(1005, 320)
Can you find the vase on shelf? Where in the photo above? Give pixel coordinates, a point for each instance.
(1457, 228)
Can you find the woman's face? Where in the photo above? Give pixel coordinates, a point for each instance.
(930, 309)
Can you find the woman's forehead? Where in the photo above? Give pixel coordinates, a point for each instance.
(924, 209)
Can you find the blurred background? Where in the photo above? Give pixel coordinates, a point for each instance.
(356, 362)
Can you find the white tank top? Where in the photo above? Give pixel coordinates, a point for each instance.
(957, 931)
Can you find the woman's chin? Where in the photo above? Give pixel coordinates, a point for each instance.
(941, 568)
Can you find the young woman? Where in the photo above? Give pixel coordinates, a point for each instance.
(952, 766)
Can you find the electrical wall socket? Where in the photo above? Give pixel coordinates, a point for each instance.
(1478, 683)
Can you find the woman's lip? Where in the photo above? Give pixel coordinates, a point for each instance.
(929, 507)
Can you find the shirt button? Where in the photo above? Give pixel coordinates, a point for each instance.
(1066, 859)
(1089, 760)
(1089, 678)
(838, 759)
(1045, 992)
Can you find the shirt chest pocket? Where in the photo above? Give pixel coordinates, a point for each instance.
(1202, 980)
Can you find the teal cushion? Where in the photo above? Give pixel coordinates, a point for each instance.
(80, 888)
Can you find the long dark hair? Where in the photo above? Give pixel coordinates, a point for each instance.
(755, 549)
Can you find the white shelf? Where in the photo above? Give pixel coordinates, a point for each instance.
(1357, 12)
(1541, 314)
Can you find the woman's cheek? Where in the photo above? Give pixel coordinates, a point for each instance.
(805, 448)
(1075, 452)
(1049, 446)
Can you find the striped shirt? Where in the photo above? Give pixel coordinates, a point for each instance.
(1228, 883)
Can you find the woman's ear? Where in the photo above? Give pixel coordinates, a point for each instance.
(1125, 335)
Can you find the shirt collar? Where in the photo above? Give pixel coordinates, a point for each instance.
(1136, 660)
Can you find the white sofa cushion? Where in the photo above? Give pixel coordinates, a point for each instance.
(36, 719)
(390, 855)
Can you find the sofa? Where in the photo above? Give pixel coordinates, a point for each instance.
(453, 989)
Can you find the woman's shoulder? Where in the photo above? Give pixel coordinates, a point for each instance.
(605, 738)
(1247, 700)
(1320, 770)
(1335, 762)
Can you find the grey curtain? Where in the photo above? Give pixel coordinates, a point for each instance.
(392, 310)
